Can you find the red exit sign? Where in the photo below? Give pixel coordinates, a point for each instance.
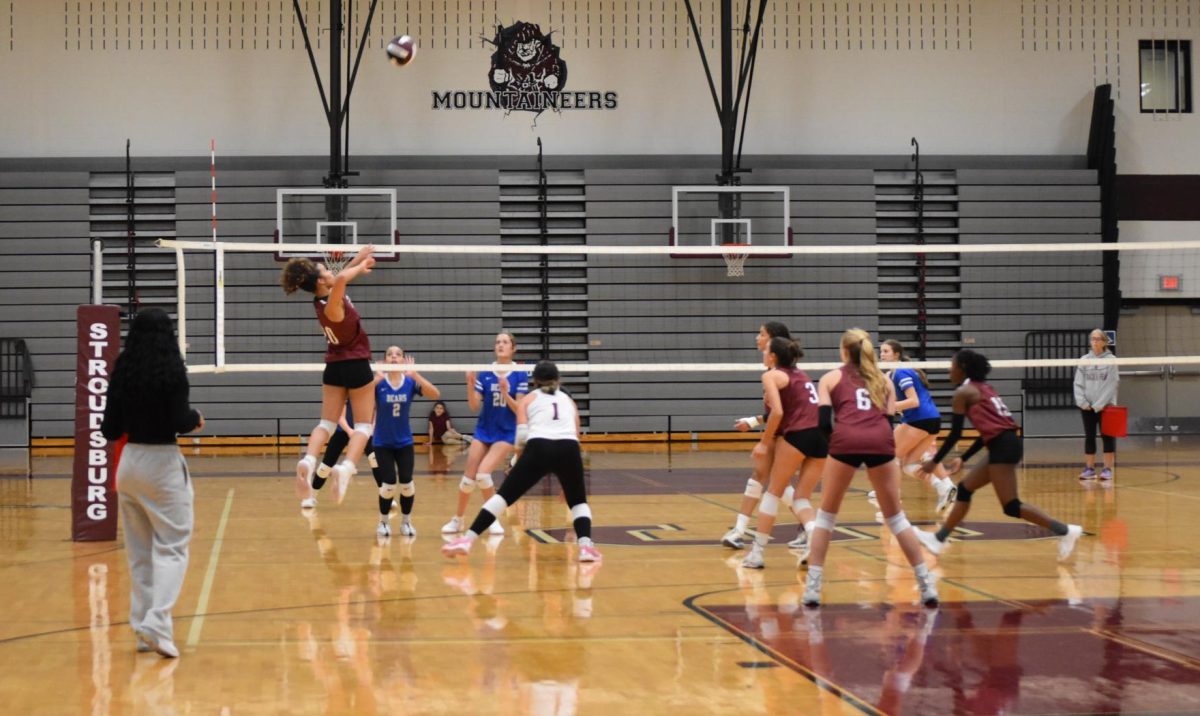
(1168, 283)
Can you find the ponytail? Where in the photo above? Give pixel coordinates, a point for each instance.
(862, 355)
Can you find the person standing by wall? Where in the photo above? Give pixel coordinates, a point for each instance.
(1095, 390)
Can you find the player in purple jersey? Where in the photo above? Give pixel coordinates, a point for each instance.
(860, 397)
(977, 400)
(347, 364)
(760, 458)
(493, 443)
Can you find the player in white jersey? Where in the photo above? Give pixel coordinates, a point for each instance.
(548, 427)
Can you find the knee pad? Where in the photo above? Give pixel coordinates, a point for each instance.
(754, 489)
(408, 489)
(372, 460)
(364, 428)
(964, 495)
(328, 426)
(323, 471)
(769, 505)
(826, 520)
(581, 510)
(898, 523)
(484, 480)
(467, 485)
(496, 505)
(1012, 508)
(800, 504)
(388, 490)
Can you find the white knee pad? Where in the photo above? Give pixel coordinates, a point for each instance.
(328, 426)
(387, 491)
(826, 520)
(373, 461)
(323, 471)
(466, 485)
(496, 505)
(408, 489)
(364, 428)
(769, 505)
(800, 504)
(898, 522)
(754, 489)
(581, 510)
(485, 481)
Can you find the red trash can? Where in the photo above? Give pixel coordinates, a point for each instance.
(1114, 421)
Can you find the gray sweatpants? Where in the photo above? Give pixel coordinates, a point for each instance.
(156, 509)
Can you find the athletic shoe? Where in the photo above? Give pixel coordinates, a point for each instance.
(304, 473)
(588, 551)
(812, 589)
(143, 646)
(800, 541)
(407, 529)
(164, 647)
(930, 541)
(928, 589)
(495, 528)
(734, 539)
(308, 503)
(340, 477)
(872, 498)
(454, 526)
(946, 499)
(1089, 473)
(1106, 474)
(1066, 543)
(384, 529)
(458, 546)
(754, 558)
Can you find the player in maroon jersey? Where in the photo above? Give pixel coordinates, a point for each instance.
(791, 399)
(977, 400)
(859, 397)
(348, 372)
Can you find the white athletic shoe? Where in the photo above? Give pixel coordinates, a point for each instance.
(384, 529)
(406, 528)
(734, 539)
(588, 551)
(308, 503)
(872, 498)
(304, 473)
(946, 499)
(164, 647)
(340, 478)
(801, 540)
(495, 528)
(928, 588)
(1066, 543)
(930, 541)
(812, 589)
(143, 646)
(754, 558)
(454, 526)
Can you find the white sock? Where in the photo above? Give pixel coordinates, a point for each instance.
(743, 521)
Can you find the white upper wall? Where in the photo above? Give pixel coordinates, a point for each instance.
(833, 77)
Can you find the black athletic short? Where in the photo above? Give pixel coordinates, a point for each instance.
(869, 460)
(353, 373)
(933, 426)
(812, 442)
(1005, 449)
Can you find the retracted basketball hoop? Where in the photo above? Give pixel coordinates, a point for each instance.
(735, 259)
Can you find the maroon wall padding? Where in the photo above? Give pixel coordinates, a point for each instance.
(94, 477)
(1158, 197)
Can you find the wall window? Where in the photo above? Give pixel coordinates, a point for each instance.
(1166, 75)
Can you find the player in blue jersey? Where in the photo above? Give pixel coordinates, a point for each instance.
(393, 437)
(494, 394)
(920, 420)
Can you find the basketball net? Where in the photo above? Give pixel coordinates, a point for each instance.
(335, 261)
(735, 259)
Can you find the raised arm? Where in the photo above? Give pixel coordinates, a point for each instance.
(362, 263)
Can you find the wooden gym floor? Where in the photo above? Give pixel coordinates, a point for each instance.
(283, 613)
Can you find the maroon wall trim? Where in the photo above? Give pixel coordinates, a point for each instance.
(1158, 197)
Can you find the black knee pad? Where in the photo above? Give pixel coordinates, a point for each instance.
(1012, 508)
(964, 495)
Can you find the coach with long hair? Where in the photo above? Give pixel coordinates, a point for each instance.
(148, 401)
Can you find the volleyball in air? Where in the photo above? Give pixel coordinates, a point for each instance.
(401, 50)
